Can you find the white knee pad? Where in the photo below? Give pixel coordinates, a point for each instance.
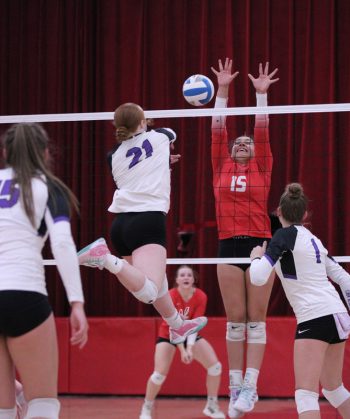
(235, 332)
(256, 332)
(215, 369)
(148, 293)
(158, 378)
(164, 288)
(8, 413)
(306, 400)
(335, 397)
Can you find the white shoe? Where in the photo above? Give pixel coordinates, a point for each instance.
(232, 412)
(145, 412)
(94, 254)
(246, 399)
(179, 335)
(213, 411)
(21, 404)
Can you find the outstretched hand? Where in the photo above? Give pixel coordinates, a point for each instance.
(258, 251)
(264, 80)
(224, 74)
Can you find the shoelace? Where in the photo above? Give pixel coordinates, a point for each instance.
(247, 394)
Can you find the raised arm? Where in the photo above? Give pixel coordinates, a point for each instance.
(224, 78)
(261, 85)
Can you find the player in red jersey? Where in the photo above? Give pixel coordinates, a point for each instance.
(192, 302)
(241, 179)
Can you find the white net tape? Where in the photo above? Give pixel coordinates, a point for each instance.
(180, 113)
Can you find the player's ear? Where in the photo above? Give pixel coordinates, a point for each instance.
(305, 216)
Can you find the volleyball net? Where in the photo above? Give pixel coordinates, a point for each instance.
(179, 118)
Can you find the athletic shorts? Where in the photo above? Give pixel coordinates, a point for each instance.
(239, 247)
(160, 339)
(322, 328)
(22, 311)
(131, 230)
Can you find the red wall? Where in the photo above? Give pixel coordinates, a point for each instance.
(118, 359)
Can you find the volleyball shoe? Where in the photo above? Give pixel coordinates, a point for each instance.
(232, 412)
(212, 410)
(246, 399)
(21, 402)
(146, 412)
(94, 254)
(179, 335)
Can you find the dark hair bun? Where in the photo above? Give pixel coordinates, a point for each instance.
(294, 190)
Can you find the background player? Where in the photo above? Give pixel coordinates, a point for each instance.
(191, 301)
(303, 266)
(33, 204)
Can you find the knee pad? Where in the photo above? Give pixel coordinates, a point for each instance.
(164, 288)
(235, 332)
(148, 293)
(336, 397)
(256, 332)
(215, 369)
(306, 400)
(8, 413)
(157, 378)
(43, 408)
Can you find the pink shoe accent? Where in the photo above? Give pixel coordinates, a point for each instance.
(179, 335)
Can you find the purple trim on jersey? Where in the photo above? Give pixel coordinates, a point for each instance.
(272, 262)
(290, 276)
(61, 218)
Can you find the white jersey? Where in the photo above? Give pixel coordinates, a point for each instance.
(303, 266)
(21, 262)
(141, 171)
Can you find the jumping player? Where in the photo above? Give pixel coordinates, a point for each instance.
(141, 170)
(241, 179)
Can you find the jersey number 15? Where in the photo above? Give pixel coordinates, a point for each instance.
(238, 184)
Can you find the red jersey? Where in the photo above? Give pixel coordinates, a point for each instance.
(196, 306)
(241, 190)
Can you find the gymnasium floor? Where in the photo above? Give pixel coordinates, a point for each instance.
(79, 407)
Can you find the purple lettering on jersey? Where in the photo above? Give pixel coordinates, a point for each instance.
(290, 276)
(317, 251)
(136, 152)
(9, 194)
(60, 218)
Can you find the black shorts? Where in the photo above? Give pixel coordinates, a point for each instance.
(239, 247)
(322, 328)
(131, 230)
(22, 311)
(159, 340)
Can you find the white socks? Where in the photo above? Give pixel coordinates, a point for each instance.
(251, 377)
(175, 321)
(113, 264)
(236, 378)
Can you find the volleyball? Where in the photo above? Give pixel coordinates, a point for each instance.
(198, 90)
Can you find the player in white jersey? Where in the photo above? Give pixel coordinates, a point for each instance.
(323, 323)
(141, 170)
(34, 204)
